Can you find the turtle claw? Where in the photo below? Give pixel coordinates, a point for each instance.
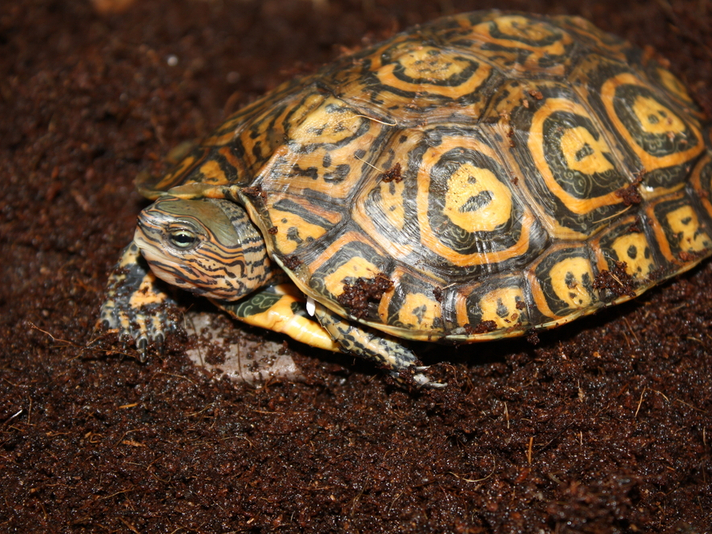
(423, 381)
(415, 377)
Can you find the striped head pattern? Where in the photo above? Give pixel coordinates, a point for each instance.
(206, 246)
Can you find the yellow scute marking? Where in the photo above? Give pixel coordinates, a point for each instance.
(419, 311)
(639, 266)
(655, 118)
(392, 203)
(499, 300)
(673, 84)
(518, 26)
(329, 123)
(583, 152)
(683, 221)
(430, 63)
(213, 173)
(567, 280)
(293, 231)
(354, 268)
(469, 183)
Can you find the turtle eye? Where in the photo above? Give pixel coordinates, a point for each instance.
(183, 239)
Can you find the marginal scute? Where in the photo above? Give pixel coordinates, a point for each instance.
(679, 232)
(562, 282)
(627, 242)
(413, 304)
(497, 306)
(701, 184)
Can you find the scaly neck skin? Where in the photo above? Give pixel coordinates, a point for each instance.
(206, 246)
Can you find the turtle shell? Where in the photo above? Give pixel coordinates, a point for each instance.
(473, 178)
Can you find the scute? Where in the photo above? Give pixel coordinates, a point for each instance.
(490, 165)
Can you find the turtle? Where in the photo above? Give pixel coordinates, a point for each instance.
(482, 176)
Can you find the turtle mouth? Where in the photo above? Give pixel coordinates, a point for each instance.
(147, 236)
(149, 239)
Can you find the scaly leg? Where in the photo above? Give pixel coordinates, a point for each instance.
(135, 305)
(372, 345)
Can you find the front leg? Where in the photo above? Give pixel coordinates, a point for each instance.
(385, 351)
(135, 305)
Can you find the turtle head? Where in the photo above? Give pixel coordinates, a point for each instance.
(206, 246)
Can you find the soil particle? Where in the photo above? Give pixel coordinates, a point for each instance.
(392, 174)
(603, 427)
(481, 328)
(357, 296)
(615, 282)
(254, 192)
(631, 195)
(292, 262)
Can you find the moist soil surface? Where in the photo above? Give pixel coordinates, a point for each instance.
(603, 426)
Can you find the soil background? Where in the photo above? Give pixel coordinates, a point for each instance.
(604, 426)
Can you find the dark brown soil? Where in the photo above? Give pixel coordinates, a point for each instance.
(604, 426)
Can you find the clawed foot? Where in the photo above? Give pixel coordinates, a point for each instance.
(136, 308)
(146, 326)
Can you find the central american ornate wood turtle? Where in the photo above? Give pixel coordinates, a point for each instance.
(470, 179)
